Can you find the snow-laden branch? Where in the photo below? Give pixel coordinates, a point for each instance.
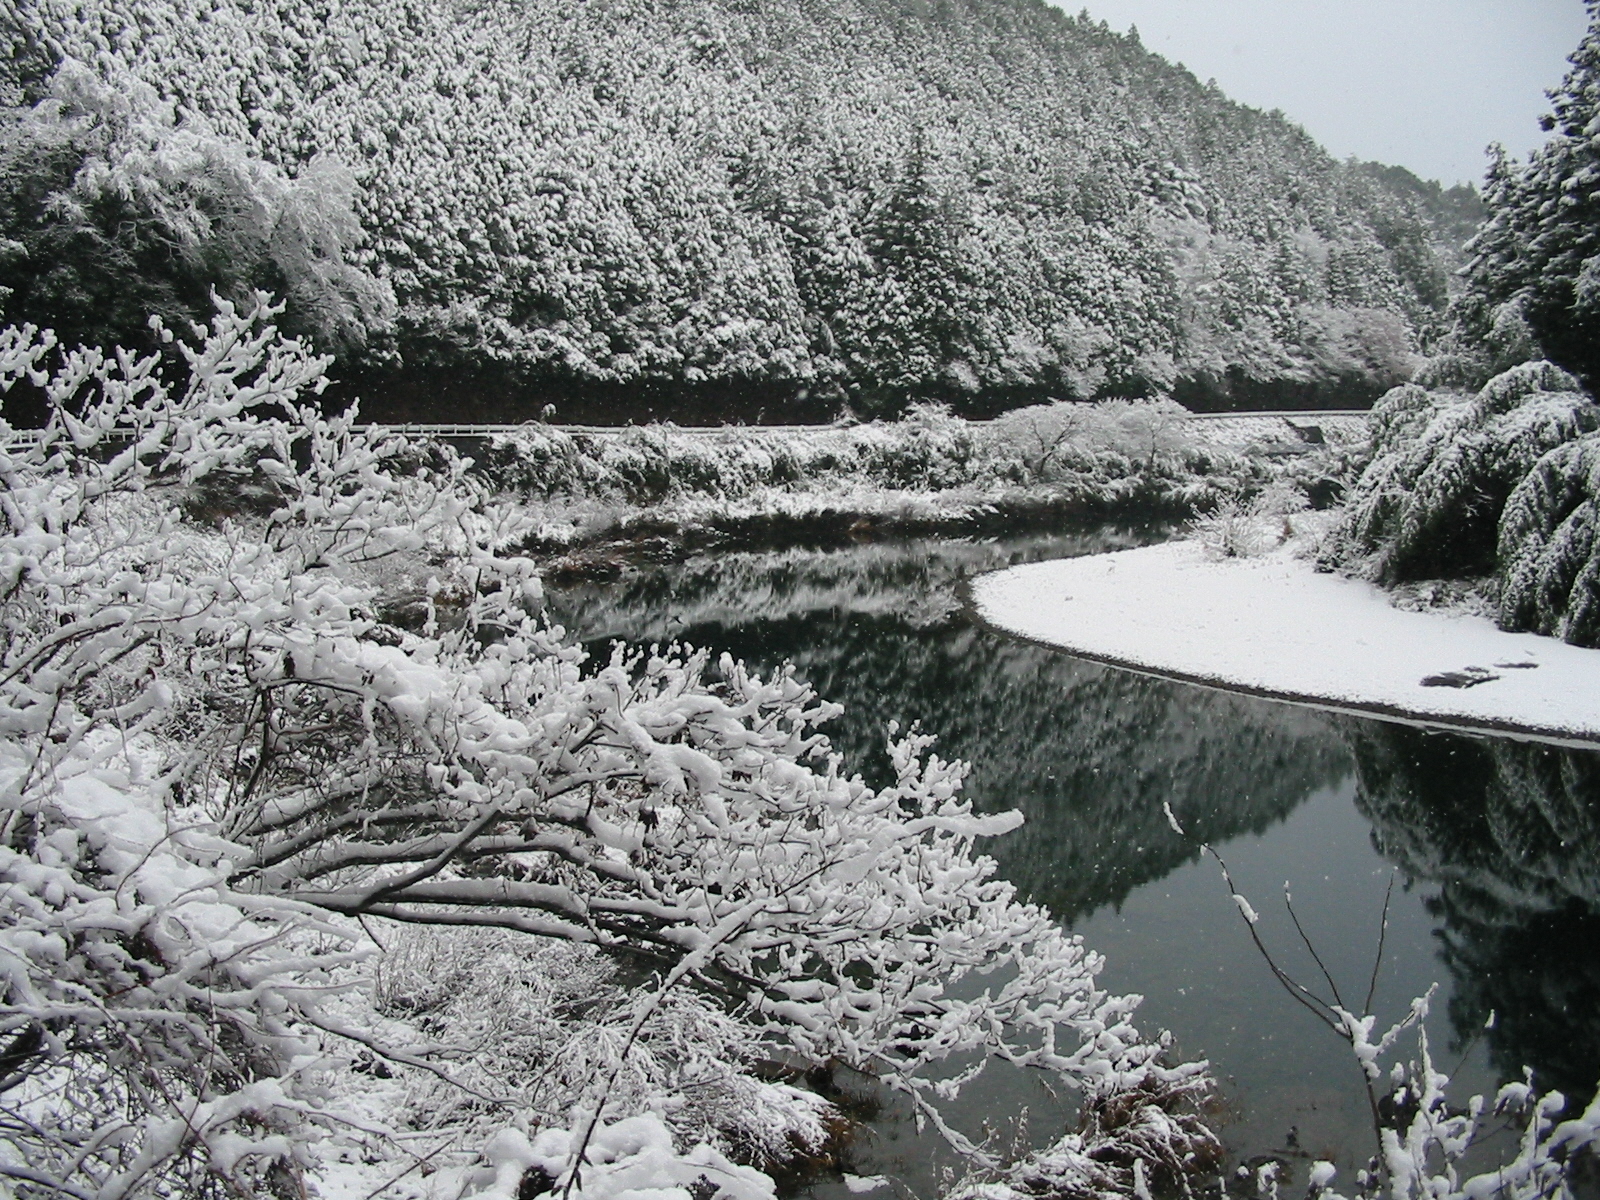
(217, 762)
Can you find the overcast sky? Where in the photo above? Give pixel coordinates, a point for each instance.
(1426, 84)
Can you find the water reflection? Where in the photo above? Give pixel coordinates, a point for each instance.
(1511, 832)
(1087, 752)
(1498, 842)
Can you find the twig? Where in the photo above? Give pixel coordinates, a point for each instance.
(1333, 987)
(1383, 932)
(1303, 996)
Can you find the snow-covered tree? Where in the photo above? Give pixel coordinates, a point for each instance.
(1537, 257)
(1499, 484)
(708, 194)
(113, 206)
(225, 782)
(1430, 503)
(1549, 546)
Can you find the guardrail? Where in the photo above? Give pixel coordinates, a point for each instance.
(1305, 414)
(449, 431)
(462, 430)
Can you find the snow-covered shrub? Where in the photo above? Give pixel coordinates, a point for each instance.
(1425, 1138)
(220, 773)
(1449, 524)
(1429, 504)
(160, 1019)
(1549, 547)
(927, 450)
(1401, 416)
(545, 1019)
(631, 1159)
(1236, 528)
(1145, 1139)
(644, 464)
(1050, 440)
(932, 449)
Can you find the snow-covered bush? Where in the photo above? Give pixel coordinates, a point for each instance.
(224, 782)
(1141, 1141)
(1237, 528)
(1098, 447)
(544, 1019)
(1430, 503)
(158, 1018)
(1496, 483)
(114, 204)
(1053, 440)
(1425, 1138)
(1549, 546)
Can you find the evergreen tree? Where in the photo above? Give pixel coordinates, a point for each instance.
(1538, 254)
(916, 321)
(709, 193)
(113, 207)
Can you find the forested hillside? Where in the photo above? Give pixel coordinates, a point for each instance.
(708, 206)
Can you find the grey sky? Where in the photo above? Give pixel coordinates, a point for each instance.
(1426, 84)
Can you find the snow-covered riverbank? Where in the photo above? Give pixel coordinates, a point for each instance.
(1273, 626)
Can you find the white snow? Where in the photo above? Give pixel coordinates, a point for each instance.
(1274, 626)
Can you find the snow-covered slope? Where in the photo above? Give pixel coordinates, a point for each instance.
(981, 194)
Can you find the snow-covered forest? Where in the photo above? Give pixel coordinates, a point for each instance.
(983, 202)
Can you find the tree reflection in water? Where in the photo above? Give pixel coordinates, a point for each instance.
(1087, 752)
(1501, 839)
(1511, 833)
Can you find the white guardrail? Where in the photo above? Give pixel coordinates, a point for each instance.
(459, 430)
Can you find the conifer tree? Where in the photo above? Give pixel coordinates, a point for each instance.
(1539, 251)
(919, 325)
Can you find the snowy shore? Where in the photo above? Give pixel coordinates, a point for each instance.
(1273, 626)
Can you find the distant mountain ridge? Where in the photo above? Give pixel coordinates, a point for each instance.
(791, 205)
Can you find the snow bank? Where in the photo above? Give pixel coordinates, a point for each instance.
(1274, 626)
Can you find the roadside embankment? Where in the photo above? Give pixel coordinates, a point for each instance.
(605, 497)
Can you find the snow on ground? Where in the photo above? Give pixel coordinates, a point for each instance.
(1274, 626)
(1239, 431)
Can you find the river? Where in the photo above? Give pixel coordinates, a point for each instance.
(1491, 847)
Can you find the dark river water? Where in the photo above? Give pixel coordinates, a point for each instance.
(1492, 845)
